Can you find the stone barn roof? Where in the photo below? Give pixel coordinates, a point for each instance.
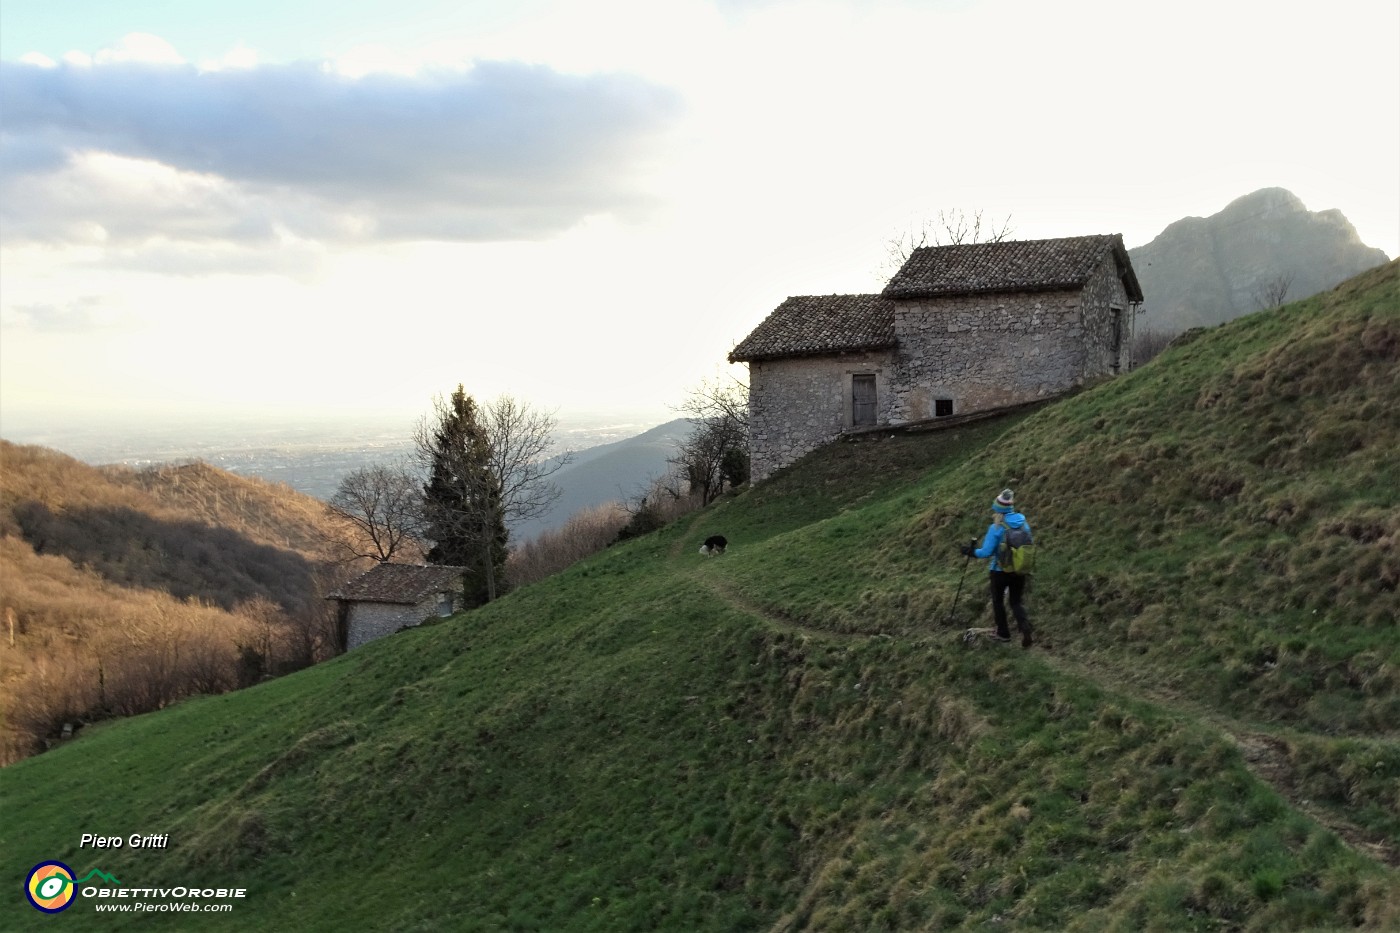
(403, 584)
(1009, 266)
(819, 324)
(813, 325)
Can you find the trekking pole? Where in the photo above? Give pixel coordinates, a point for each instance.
(967, 563)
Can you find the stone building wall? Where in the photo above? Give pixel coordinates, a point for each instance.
(973, 352)
(368, 621)
(983, 351)
(1104, 292)
(797, 405)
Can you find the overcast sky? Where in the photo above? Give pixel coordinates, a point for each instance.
(314, 209)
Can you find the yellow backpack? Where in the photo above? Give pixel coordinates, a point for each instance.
(1016, 553)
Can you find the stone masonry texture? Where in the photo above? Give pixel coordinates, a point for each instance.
(980, 351)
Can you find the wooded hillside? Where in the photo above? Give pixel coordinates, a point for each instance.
(123, 590)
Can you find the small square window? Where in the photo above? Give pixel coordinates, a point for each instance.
(942, 407)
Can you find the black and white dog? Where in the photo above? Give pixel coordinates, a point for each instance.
(714, 544)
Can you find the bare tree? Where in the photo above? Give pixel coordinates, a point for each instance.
(953, 228)
(265, 618)
(309, 635)
(666, 499)
(715, 455)
(383, 509)
(521, 439)
(488, 469)
(1272, 291)
(207, 665)
(720, 396)
(712, 459)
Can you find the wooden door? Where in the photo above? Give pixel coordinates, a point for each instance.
(863, 401)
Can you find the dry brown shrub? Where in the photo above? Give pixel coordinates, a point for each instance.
(1381, 337)
(54, 691)
(586, 533)
(959, 722)
(86, 649)
(133, 654)
(1148, 343)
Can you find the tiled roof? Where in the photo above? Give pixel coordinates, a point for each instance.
(406, 584)
(815, 324)
(1009, 266)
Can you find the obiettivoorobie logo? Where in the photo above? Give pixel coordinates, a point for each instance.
(51, 886)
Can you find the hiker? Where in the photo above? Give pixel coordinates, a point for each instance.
(1004, 517)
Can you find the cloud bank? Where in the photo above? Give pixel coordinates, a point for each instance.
(118, 152)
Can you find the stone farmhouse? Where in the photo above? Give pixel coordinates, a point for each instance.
(392, 597)
(958, 329)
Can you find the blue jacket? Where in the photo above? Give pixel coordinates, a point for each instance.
(995, 532)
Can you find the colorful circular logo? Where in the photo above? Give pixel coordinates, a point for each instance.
(50, 887)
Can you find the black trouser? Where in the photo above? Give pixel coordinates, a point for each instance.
(1016, 583)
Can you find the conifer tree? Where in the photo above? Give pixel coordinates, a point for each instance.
(488, 469)
(462, 497)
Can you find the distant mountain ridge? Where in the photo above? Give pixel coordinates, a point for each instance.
(611, 472)
(1202, 271)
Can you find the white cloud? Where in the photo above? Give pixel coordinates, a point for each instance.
(497, 151)
(98, 197)
(81, 315)
(240, 56)
(140, 47)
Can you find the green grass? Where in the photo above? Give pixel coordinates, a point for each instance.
(793, 736)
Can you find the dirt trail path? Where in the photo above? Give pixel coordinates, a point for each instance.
(1265, 755)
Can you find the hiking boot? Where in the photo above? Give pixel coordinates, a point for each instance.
(1025, 639)
(998, 636)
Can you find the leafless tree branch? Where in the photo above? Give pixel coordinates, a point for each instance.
(1272, 291)
(953, 227)
(715, 454)
(382, 507)
(521, 440)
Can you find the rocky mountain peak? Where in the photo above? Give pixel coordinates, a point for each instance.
(1202, 271)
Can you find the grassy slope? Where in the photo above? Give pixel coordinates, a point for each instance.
(793, 736)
